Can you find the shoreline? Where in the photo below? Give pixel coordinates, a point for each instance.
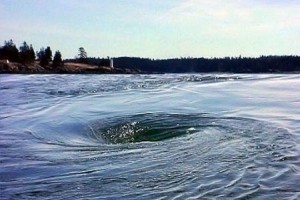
(67, 68)
(81, 68)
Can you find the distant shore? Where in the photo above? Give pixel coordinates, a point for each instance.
(66, 68)
(132, 65)
(26, 61)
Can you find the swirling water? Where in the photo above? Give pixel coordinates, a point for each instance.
(188, 136)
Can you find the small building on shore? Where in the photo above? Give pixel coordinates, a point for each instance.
(111, 63)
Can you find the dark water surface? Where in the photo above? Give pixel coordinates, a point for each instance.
(191, 136)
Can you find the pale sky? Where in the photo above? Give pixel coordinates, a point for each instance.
(155, 28)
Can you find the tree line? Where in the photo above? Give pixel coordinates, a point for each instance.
(262, 64)
(25, 54)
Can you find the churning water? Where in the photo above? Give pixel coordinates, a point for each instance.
(190, 136)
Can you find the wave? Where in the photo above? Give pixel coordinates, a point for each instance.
(56, 86)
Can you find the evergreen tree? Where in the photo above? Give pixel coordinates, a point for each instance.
(57, 60)
(9, 51)
(41, 57)
(25, 53)
(48, 54)
(45, 56)
(82, 55)
(31, 53)
(40, 54)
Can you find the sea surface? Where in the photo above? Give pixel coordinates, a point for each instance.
(171, 136)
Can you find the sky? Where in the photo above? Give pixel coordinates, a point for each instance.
(155, 28)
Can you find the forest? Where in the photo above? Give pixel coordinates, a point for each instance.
(262, 64)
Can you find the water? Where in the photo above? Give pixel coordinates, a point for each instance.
(189, 136)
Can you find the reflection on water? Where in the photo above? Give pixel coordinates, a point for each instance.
(149, 136)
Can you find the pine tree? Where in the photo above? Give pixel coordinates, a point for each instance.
(45, 56)
(57, 60)
(9, 51)
(31, 53)
(82, 55)
(41, 56)
(25, 53)
(48, 54)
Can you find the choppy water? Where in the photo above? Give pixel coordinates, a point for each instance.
(192, 136)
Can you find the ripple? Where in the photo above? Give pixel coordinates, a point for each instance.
(51, 86)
